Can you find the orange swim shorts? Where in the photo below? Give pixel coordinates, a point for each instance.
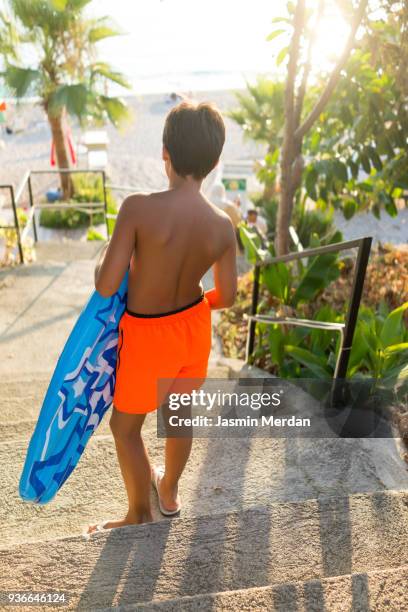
(169, 346)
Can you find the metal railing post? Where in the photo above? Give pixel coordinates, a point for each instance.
(254, 308)
(347, 329)
(16, 222)
(105, 202)
(352, 313)
(30, 194)
(16, 226)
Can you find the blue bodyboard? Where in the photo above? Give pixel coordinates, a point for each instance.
(79, 394)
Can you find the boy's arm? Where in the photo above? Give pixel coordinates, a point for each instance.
(115, 257)
(225, 276)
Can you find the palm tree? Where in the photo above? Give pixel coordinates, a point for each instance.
(260, 112)
(261, 117)
(63, 70)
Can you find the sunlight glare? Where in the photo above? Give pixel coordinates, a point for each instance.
(330, 41)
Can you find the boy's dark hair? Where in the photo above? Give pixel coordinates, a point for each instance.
(194, 135)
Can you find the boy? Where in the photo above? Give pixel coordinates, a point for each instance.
(170, 239)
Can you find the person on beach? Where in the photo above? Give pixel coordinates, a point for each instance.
(256, 224)
(219, 198)
(169, 240)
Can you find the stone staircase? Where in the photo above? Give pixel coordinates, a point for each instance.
(267, 524)
(263, 546)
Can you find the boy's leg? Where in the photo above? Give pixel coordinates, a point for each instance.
(134, 465)
(177, 452)
(176, 456)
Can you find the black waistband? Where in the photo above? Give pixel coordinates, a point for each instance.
(165, 314)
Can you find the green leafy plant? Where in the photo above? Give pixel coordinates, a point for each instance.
(380, 346)
(93, 234)
(299, 352)
(307, 222)
(379, 352)
(260, 114)
(380, 349)
(252, 244)
(343, 139)
(359, 151)
(87, 188)
(295, 351)
(9, 237)
(301, 281)
(310, 223)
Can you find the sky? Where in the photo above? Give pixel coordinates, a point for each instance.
(182, 45)
(174, 38)
(171, 44)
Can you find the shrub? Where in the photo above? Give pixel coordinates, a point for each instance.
(92, 234)
(307, 223)
(88, 188)
(318, 289)
(11, 254)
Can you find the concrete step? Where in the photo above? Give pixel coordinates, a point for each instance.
(66, 250)
(365, 592)
(222, 475)
(262, 546)
(21, 401)
(39, 306)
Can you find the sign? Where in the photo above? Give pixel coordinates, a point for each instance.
(232, 184)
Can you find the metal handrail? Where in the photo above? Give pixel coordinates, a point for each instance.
(297, 322)
(83, 206)
(124, 188)
(327, 248)
(86, 207)
(27, 225)
(347, 329)
(16, 226)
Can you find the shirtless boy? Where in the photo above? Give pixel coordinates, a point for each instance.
(169, 239)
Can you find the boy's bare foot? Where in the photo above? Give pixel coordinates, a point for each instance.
(128, 520)
(169, 499)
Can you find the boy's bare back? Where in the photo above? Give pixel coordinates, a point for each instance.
(179, 236)
(174, 238)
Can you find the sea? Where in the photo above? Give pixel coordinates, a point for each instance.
(179, 45)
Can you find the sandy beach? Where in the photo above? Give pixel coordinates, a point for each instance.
(134, 156)
(134, 151)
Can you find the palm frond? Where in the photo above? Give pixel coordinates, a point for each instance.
(59, 5)
(20, 80)
(116, 109)
(72, 97)
(33, 14)
(102, 28)
(77, 5)
(104, 70)
(9, 37)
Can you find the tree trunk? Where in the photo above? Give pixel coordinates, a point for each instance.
(284, 209)
(61, 152)
(268, 193)
(291, 160)
(290, 147)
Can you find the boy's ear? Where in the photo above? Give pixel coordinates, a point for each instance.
(165, 154)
